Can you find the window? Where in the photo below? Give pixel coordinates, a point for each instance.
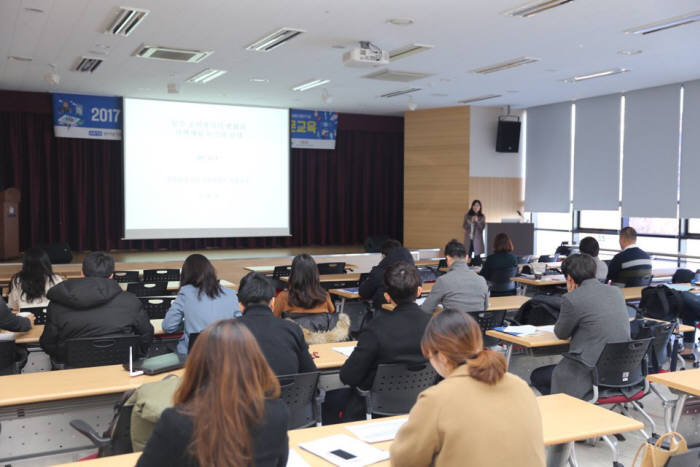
(694, 226)
(547, 241)
(605, 242)
(552, 220)
(599, 220)
(654, 225)
(658, 245)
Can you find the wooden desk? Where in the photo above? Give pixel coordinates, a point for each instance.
(175, 285)
(268, 270)
(349, 277)
(564, 420)
(686, 383)
(541, 340)
(432, 262)
(511, 302)
(545, 281)
(327, 357)
(32, 336)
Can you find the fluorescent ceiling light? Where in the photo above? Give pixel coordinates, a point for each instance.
(599, 74)
(505, 65)
(275, 39)
(400, 92)
(405, 51)
(205, 76)
(126, 20)
(310, 84)
(479, 98)
(666, 24)
(533, 8)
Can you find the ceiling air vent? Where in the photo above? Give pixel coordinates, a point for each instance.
(533, 8)
(405, 51)
(87, 64)
(400, 76)
(126, 20)
(400, 92)
(505, 65)
(479, 98)
(167, 53)
(666, 24)
(274, 40)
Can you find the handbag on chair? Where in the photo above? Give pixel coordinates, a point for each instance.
(656, 454)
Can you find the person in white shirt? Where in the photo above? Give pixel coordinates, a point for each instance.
(29, 286)
(589, 245)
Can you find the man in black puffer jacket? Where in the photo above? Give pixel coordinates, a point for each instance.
(92, 306)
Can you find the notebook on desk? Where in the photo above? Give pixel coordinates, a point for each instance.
(350, 290)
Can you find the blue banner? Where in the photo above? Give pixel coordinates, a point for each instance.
(313, 129)
(92, 117)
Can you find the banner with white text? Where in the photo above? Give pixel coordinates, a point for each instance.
(313, 129)
(91, 117)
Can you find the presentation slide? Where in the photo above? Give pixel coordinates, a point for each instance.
(204, 170)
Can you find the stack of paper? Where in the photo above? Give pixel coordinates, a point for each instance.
(379, 431)
(343, 450)
(350, 290)
(525, 330)
(549, 328)
(347, 350)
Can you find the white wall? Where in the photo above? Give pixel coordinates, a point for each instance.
(484, 161)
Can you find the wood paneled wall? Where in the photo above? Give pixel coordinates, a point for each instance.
(500, 196)
(436, 175)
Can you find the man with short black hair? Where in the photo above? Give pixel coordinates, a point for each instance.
(631, 263)
(460, 288)
(592, 315)
(589, 245)
(391, 337)
(93, 306)
(281, 341)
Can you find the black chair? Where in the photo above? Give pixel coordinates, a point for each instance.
(278, 273)
(331, 268)
(396, 387)
(500, 283)
(8, 355)
(488, 320)
(363, 277)
(303, 398)
(191, 340)
(156, 307)
(476, 261)
(161, 275)
(689, 459)
(147, 289)
(39, 313)
(126, 276)
(642, 281)
(547, 259)
(117, 438)
(98, 351)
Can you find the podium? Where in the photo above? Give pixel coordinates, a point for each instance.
(522, 235)
(9, 223)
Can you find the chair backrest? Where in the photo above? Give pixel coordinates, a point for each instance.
(331, 268)
(39, 313)
(620, 363)
(396, 387)
(161, 275)
(126, 276)
(191, 340)
(500, 280)
(299, 392)
(156, 307)
(442, 263)
(641, 281)
(98, 351)
(547, 259)
(8, 356)
(488, 320)
(281, 271)
(363, 277)
(476, 261)
(147, 289)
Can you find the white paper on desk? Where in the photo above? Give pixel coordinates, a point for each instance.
(524, 330)
(420, 300)
(347, 350)
(549, 328)
(361, 452)
(295, 460)
(554, 277)
(377, 431)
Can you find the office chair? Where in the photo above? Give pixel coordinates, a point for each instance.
(147, 289)
(126, 276)
(39, 313)
(156, 307)
(99, 351)
(500, 283)
(161, 275)
(303, 398)
(331, 268)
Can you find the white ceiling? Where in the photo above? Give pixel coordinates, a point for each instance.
(581, 37)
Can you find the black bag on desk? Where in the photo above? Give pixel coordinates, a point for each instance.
(661, 302)
(540, 310)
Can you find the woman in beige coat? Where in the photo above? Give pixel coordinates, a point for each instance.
(479, 415)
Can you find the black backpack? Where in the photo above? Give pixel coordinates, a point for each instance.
(661, 302)
(540, 310)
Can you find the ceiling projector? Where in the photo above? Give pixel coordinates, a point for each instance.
(367, 55)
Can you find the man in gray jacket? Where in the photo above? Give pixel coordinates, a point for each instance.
(592, 315)
(460, 288)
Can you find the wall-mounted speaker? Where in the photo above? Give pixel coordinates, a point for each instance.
(508, 138)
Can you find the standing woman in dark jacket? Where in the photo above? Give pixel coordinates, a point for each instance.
(473, 224)
(373, 287)
(227, 409)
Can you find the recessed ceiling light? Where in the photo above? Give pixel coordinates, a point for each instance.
(34, 10)
(310, 84)
(275, 39)
(598, 74)
(206, 75)
(479, 98)
(516, 62)
(666, 24)
(19, 58)
(629, 52)
(404, 21)
(535, 7)
(259, 80)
